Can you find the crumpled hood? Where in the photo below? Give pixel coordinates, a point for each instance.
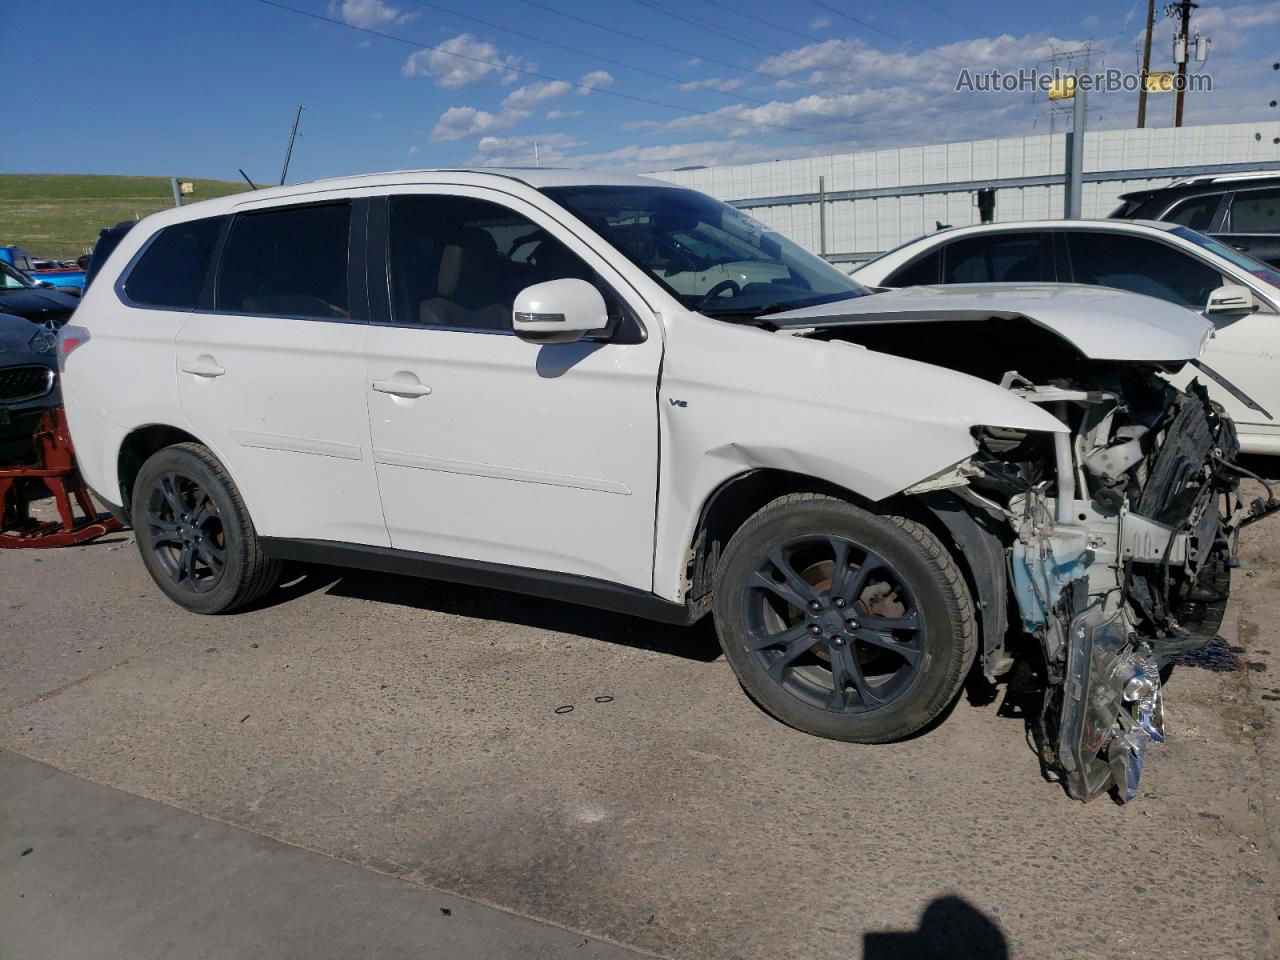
(1103, 324)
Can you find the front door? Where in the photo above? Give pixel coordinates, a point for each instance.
(272, 377)
(492, 449)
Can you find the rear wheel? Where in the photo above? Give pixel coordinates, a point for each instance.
(195, 535)
(841, 622)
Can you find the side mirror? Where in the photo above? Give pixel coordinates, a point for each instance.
(1231, 300)
(559, 311)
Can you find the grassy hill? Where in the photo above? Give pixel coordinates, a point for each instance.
(59, 215)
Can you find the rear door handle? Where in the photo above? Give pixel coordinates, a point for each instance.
(204, 367)
(401, 388)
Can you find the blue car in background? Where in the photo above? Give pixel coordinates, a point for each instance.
(44, 272)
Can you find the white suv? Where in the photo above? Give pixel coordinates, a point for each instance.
(623, 393)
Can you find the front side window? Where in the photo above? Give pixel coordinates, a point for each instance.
(459, 263)
(1000, 258)
(1196, 213)
(171, 272)
(1255, 211)
(1142, 266)
(11, 279)
(289, 262)
(710, 256)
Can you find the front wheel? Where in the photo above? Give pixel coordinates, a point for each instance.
(841, 622)
(194, 533)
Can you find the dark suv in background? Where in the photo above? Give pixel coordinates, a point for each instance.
(1240, 209)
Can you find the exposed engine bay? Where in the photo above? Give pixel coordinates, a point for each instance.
(1097, 553)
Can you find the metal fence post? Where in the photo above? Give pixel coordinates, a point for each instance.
(822, 216)
(1075, 152)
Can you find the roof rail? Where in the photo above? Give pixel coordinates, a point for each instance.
(1225, 178)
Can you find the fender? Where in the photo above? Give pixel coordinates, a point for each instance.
(866, 422)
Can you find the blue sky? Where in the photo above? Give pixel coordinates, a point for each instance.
(201, 88)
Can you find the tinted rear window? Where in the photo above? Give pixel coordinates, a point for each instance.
(288, 262)
(1196, 213)
(171, 272)
(1000, 258)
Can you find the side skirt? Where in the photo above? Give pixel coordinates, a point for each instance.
(570, 588)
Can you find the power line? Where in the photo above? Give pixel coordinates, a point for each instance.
(949, 15)
(686, 53)
(531, 73)
(603, 59)
(702, 24)
(769, 48)
(880, 30)
(772, 24)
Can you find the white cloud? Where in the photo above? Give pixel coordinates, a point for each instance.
(714, 83)
(880, 98)
(563, 114)
(463, 60)
(1090, 22)
(506, 151)
(368, 14)
(819, 23)
(536, 93)
(595, 80)
(459, 123)
(413, 150)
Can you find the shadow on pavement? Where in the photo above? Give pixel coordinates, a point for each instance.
(950, 929)
(693, 643)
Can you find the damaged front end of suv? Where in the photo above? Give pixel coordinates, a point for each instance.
(1097, 552)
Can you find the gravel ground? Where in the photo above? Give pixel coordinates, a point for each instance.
(424, 731)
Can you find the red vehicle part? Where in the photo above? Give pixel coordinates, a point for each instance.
(55, 470)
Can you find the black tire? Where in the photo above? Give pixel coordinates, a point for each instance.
(870, 659)
(195, 535)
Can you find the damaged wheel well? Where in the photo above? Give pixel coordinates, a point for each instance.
(136, 448)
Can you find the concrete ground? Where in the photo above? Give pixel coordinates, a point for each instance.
(89, 872)
(600, 774)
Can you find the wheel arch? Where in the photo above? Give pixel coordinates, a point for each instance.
(970, 538)
(139, 444)
(728, 507)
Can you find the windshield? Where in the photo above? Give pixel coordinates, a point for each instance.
(1227, 252)
(708, 255)
(11, 279)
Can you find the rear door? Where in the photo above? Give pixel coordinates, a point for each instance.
(270, 372)
(489, 448)
(1253, 224)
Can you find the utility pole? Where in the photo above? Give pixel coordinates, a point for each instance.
(1146, 64)
(1182, 11)
(288, 153)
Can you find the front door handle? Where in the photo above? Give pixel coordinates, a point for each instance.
(401, 388)
(204, 367)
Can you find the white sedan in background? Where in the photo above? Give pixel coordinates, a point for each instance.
(1239, 294)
